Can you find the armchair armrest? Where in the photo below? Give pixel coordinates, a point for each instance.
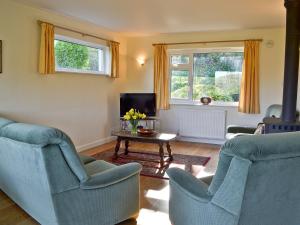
(111, 176)
(192, 186)
(240, 129)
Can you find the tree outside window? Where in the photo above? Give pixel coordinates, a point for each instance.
(70, 56)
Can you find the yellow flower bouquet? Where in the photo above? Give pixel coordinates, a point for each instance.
(134, 116)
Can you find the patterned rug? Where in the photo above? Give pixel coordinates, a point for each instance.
(150, 162)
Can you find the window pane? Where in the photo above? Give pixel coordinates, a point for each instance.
(180, 59)
(73, 56)
(217, 75)
(180, 84)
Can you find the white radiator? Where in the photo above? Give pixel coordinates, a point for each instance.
(202, 123)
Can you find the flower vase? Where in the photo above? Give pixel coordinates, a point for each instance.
(134, 125)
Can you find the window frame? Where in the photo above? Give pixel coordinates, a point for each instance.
(190, 68)
(104, 59)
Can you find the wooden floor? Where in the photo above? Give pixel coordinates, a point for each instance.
(154, 192)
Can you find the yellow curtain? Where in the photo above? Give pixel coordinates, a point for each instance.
(161, 76)
(47, 61)
(115, 55)
(249, 96)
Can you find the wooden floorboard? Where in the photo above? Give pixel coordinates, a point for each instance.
(154, 192)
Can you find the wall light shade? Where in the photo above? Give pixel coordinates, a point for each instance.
(140, 61)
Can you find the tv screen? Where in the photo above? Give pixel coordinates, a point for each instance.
(143, 102)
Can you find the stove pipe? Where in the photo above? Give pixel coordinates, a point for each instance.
(291, 68)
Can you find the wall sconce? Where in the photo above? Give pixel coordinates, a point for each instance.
(140, 61)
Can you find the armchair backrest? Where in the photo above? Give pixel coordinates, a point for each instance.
(44, 136)
(274, 110)
(271, 194)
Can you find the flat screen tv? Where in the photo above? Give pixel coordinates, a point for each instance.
(143, 102)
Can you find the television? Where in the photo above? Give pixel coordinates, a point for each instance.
(142, 102)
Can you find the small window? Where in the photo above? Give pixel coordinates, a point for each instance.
(215, 73)
(77, 56)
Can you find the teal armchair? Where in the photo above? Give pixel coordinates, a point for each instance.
(41, 171)
(257, 182)
(237, 130)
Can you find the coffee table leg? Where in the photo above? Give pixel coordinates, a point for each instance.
(169, 151)
(126, 147)
(161, 154)
(117, 148)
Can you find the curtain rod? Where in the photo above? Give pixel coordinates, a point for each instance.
(78, 32)
(206, 42)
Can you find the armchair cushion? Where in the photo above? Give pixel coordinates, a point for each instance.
(111, 176)
(207, 180)
(192, 186)
(86, 159)
(98, 166)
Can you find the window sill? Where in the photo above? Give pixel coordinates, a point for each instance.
(82, 72)
(197, 103)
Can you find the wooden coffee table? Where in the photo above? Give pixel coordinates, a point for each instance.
(160, 139)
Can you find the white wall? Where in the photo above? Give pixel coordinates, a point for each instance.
(87, 106)
(84, 106)
(271, 69)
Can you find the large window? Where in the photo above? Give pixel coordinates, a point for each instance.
(77, 56)
(215, 73)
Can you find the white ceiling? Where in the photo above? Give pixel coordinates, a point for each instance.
(140, 17)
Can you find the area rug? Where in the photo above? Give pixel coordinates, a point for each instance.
(150, 162)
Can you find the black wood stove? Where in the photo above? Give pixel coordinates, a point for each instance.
(288, 122)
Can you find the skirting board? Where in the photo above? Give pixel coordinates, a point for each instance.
(202, 140)
(95, 143)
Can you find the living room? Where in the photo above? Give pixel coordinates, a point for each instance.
(154, 51)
